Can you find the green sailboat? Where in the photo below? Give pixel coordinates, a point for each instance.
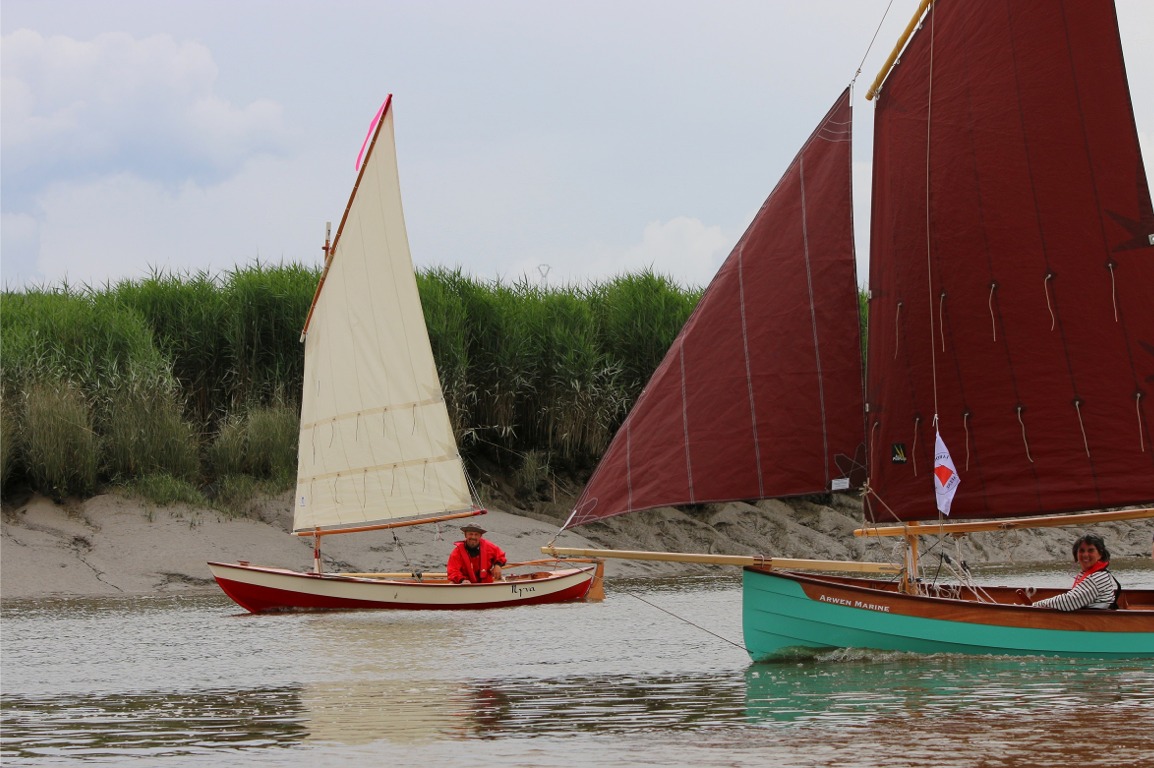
(1011, 317)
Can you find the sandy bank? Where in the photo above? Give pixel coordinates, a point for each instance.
(112, 545)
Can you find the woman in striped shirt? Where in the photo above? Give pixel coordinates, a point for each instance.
(1095, 586)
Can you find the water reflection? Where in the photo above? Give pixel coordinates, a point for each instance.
(192, 683)
(855, 687)
(887, 693)
(154, 724)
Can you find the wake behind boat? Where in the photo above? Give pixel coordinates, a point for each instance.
(377, 448)
(1011, 317)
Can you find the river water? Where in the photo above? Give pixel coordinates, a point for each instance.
(652, 676)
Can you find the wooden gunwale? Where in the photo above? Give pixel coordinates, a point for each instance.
(886, 597)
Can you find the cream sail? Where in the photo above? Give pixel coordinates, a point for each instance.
(377, 448)
(376, 442)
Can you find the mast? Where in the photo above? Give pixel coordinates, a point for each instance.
(901, 43)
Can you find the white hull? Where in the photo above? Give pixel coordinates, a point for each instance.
(260, 589)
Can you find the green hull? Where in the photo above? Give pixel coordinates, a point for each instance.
(780, 620)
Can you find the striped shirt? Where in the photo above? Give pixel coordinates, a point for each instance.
(1095, 591)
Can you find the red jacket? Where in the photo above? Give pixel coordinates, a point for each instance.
(477, 569)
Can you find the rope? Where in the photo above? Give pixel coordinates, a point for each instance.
(929, 246)
(964, 577)
(966, 427)
(687, 621)
(1046, 290)
(1138, 412)
(914, 450)
(993, 319)
(1024, 440)
(941, 319)
(871, 45)
(897, 328)
(400, 546)
(867, 494)
(1085, 440)
(873, 446)
(1113, 289)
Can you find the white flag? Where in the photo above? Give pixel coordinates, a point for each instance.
(945, 476)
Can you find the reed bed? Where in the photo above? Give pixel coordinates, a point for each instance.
(193, 381)
(60, 446)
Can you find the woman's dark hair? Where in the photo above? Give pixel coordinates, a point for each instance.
(1094, 541)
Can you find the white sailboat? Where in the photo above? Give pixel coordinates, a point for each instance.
(377, 448)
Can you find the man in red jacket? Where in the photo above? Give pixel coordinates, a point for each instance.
(475, 560)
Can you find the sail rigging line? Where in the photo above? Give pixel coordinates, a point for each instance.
(929, 232)
(1025, 441)
(914, 448)
(1046, 290)
(942, 319)
(1085, 440)
(871, 44)
(1113, 288)
(966, 428)
(870, 493)
(964, 577)
(993, 316)
(1138, 412)
(897, 328)
(687, 621)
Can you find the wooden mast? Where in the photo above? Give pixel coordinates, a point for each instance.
(877, 84)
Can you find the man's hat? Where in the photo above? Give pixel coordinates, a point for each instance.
(472, 527)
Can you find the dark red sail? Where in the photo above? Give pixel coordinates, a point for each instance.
(762, 391)
(1011, 267)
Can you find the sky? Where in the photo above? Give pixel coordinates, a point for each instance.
(561, 141)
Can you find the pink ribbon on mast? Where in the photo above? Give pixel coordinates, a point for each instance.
(372, 127)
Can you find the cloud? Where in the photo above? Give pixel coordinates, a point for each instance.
(19, 243)
(123, 226)
(117, 104)
(682, 248)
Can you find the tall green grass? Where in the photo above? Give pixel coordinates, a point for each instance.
(61, 449)
(93, 396)
(232, 339)
(9, 427)
(445, 297)
(196, 379)
(145, 433)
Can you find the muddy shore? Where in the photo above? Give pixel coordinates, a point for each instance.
(112, 545)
